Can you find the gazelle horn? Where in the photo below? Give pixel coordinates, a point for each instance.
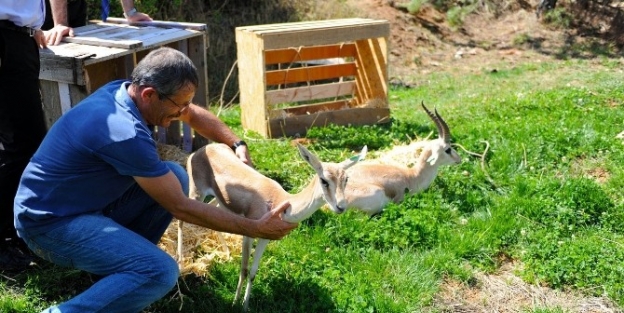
(443, 129)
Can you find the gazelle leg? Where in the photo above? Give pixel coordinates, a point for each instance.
(260, 247)
(222, 242)
(244, 271)
(180, 243)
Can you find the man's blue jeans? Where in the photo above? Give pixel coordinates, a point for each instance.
(119, 244)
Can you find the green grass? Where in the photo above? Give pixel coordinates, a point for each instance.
(550, 127)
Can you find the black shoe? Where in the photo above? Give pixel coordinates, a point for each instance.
(13, 256)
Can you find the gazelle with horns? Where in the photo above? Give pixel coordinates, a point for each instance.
(372, 186)
(215, 170)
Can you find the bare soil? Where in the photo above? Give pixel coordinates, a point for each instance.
(425, 43)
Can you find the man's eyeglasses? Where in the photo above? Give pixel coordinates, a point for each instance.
(181, 107)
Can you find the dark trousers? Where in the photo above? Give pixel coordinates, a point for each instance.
(76, 14)
(22, 122)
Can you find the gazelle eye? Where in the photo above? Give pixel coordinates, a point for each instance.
(324, 183)
(448, 150)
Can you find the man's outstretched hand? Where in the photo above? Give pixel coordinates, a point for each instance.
(272, 226)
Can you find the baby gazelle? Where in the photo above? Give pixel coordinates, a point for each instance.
(371, 186)
(215, 170)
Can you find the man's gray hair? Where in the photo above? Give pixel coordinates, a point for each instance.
(166, 70)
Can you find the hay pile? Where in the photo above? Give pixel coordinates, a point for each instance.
(202, 246)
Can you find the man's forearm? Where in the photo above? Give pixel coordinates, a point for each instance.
(59, 12)
(210, 126)
(127, 5)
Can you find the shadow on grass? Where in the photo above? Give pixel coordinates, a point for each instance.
(215, 293)
(45, 283)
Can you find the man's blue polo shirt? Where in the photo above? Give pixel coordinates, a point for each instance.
(86, 160)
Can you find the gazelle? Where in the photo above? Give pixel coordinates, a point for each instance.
(372, 186)
(215, 170)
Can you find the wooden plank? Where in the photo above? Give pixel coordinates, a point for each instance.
(251, 81)
(72, 50)
(130, 63)
(197, 47)
(310, 73)
(51, 101)
(307, 25)
(103, 36)
(63, 69)
(98, 74)
(77, 93)
(298, 125)
(161, 24)
(372, 69)
(316, 107)
(293, 54)
(87, 28)
(324, 36)
(174, 132)
(58, 69)
(168, 36)
(91, 29)
(95, 41)
(314, 92)
(64, 97)
(319, 33)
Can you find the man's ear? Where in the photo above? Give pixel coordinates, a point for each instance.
(148, 92)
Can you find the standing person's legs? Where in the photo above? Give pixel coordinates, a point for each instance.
(22, 123)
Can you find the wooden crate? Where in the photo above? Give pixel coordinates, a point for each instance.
(102, 52)
(293, 76)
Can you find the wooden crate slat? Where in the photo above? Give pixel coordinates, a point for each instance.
(260, 29)
(309, 73)
(95, 41)
(295, 54)
(128, 33)
(298, 125)
(252, 83)
(314, 92)
(151, 33)
(316, 107)
(166, 38)
(161, 24)
(372, 65)
(311, 37)
(62, 69)
(91, 29)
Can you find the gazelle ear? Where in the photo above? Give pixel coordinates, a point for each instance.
(354, 159)
(433, 158)
(311, 159)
